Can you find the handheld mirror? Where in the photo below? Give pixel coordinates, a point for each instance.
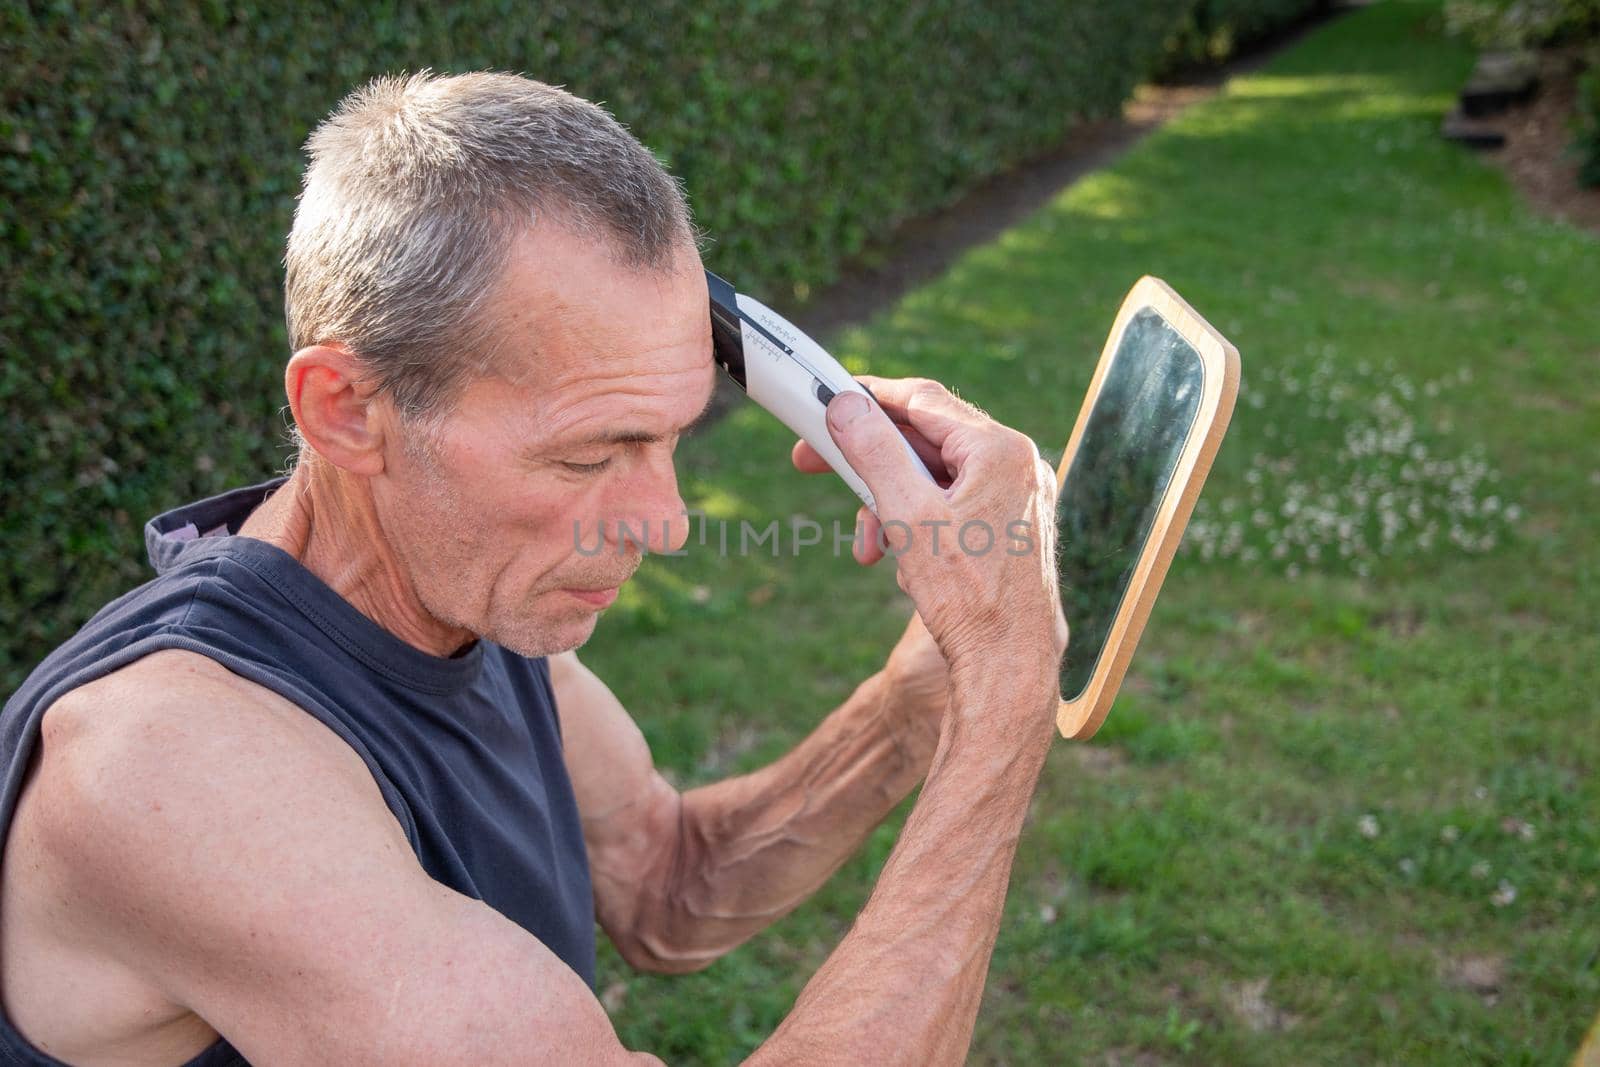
(1149, 427)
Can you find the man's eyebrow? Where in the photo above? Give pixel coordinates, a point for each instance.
(640, 437)
(618, 437)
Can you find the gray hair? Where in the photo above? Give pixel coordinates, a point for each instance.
(415, 189)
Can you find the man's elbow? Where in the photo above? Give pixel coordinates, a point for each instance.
(671, 922)
(650, 952)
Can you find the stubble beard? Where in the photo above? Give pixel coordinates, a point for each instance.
(526, 632)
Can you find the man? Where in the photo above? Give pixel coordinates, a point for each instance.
(303, 798)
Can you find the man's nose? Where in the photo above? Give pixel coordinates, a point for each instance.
(656, 508)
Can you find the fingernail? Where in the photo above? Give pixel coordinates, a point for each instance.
(845, 409)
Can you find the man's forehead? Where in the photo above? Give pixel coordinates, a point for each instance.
(653, 377)
(595, 339)
(624, 399)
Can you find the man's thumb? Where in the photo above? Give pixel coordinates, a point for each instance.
(873, 447)
(844, 410)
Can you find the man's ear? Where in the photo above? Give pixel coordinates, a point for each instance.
(335, 408)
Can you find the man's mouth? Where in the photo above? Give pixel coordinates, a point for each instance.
(598, 598)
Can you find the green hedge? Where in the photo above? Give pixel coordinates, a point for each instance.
(1525, 23)
(149, 159)
(1212, 30)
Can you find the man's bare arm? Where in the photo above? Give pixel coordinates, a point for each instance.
(682, 879)
(219, 842)
(904, 985)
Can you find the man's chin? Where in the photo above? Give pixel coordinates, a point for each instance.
(553, 637)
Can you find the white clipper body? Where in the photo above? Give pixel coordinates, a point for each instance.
(786, 372)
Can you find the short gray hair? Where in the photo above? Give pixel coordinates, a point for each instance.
(415, 188)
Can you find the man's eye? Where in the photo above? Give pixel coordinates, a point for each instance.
(588, 468)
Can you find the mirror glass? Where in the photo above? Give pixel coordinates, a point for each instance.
(1120, 473)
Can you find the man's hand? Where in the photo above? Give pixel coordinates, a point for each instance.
(868, 545)
(985, 597)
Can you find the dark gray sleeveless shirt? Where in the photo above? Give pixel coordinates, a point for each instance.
(466, 750)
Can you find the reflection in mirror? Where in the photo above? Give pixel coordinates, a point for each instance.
(1123, 466)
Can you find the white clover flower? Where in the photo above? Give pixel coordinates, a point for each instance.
(1380, 482)
(1368, 826)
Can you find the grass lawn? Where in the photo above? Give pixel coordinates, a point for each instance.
(1345, 809)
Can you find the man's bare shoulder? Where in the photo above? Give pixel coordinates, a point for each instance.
(159, 795)
(177, 702)
(232, 853)
(176, 744)
(172, 684)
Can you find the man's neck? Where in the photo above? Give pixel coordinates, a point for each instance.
(325, 518)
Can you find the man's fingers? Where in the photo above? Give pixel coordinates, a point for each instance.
(925, 405)
(873, 447)
(807, 461)
(930, 454)
(868, 546)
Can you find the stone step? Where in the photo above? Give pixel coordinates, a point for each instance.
(1472, 132)
(1501, 79)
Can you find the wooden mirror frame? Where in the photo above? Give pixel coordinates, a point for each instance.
(1080, 718)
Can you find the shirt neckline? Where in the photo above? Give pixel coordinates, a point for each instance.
(179, 538)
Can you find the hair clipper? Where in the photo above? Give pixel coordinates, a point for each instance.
(786, 372)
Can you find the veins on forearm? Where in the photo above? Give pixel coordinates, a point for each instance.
(750, 849)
